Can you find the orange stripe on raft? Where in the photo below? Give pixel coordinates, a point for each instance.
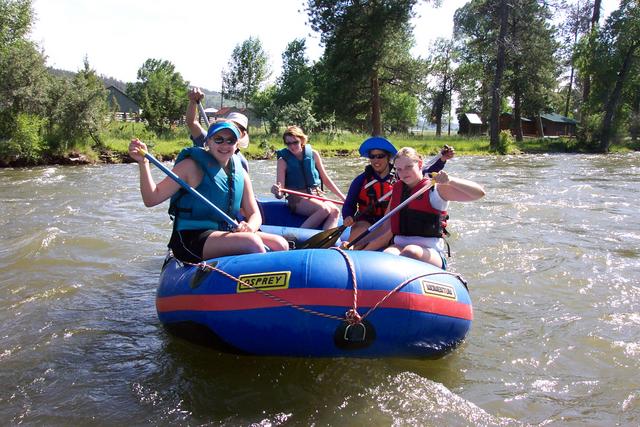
(315, 297)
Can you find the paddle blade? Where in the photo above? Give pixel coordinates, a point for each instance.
(323, 240)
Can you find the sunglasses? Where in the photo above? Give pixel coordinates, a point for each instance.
(219, 140)
(289, 142)
(377, 156)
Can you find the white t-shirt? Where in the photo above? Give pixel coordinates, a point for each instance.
(437, 243)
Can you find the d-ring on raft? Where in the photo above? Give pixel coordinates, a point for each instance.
(316, 303)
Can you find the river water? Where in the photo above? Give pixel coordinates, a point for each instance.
(551, 254)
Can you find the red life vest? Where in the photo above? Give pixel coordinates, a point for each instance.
(368, 197)
(418, 218)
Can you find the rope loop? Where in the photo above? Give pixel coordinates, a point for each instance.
(353, 317)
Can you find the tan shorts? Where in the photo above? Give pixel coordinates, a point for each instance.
(293, 200)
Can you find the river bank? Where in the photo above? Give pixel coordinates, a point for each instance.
(264, 146)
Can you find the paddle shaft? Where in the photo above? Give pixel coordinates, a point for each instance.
(190, 189)
(390, 214)
(311, 196)
(329, 237)
(203, 114)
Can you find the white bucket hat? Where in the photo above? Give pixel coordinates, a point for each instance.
(242, 121)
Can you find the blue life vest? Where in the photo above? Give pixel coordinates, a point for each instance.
(301, 174)
(224, 191)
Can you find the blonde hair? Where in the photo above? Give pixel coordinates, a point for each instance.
(296, 132)
(409, 153)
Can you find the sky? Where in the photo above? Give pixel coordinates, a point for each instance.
(197, 36)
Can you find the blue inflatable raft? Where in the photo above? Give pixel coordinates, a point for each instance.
(315, 302)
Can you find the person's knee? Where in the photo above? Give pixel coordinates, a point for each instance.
(325, 208)
(253, 243)
(412, 251)
(280, 244)
(392, 250)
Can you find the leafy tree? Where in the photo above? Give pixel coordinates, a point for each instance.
(510, 47)
(401, 112)
(481, 26)
(161, 93)
(476, 34)
(296, 81)
(248, 70)
(16, 17)
(26, 143)
(501, 11)
(532, 69)
(79, 110)
(595, 21)
(265, 106)
(366, 47)
(299, 114)
(633, 95)
(441, 74)
(611, 60)
(23, 83)
(575, 25)
(23, 76)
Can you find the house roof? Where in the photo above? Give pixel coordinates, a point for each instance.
(123, 100)
(473, 118)
(557, 118)
(524, 119)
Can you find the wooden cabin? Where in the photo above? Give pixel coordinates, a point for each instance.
(470, 124)
(528, 125)
(554, 125)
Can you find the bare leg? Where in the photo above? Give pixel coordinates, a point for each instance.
(422, 254)
(315, 211)
(222, 243)
(393, 250)
(357, 229)
(273, 241)
(332, 218)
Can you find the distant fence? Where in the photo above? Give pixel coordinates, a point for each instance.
(135, 117)
(125, 117)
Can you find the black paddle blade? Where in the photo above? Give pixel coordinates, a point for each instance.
(323, 240)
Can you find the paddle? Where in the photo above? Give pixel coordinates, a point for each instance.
(311, 196)
(327, 238)
(203, 114)
(390, 214)
(190, 189)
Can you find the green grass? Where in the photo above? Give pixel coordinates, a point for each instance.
(263, 145)
(342, 143)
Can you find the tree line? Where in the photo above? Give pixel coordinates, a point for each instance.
(525, 57)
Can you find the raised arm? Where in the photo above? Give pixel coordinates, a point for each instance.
(457, 189)
(152, 193)
(325, 178)
(195, 95)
